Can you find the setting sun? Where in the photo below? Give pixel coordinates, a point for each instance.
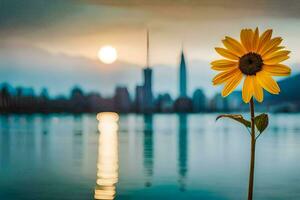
(107, 54)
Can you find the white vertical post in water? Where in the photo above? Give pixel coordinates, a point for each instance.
(108, 161)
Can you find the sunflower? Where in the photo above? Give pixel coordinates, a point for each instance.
(256, 58)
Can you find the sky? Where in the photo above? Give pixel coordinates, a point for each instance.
(54, 44)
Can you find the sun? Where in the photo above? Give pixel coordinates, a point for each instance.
(107, 54)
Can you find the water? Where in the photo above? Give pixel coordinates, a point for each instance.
(58, 157)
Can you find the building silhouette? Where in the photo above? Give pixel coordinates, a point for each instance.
(122, 101)
(199, 101)
(147, 87)
(78, 100)
(218, 103)
(144, 96)
(183, 103)
(139, 99)
(182, 77)
(143, 93)
(235, 102)
(164, 103)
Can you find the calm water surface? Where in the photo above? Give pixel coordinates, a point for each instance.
(60, 157)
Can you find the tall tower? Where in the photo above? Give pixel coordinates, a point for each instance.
(182, 77)
(148, 96)
(183, 103)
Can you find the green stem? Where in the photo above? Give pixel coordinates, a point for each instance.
(252, 161)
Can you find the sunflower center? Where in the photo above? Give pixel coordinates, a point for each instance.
(250, 63)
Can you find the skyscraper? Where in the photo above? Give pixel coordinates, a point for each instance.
(122, 101)
(148, 81)
(183, 103)
(148, 96)
(199, 101)
(144, 95)
(139, 98)
(182, 77)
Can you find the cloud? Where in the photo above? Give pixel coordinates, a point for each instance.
(32, 13)
(288, 8)
(16, 14)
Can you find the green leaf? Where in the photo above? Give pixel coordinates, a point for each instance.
(261, 122)
(238, 118)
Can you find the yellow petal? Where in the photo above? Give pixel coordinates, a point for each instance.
(234, 46)
(269, 45)
(246, 39)
(226, 53)
(272, 50)
(276, 60)
(232, 84)
(276, 54)
(223, 65)
(264, 39)
(247, 91)
(224, 76)
(223, 62)
(257, 89)
(255, 40)
(277, 70)
(223, 68)
(267, 82)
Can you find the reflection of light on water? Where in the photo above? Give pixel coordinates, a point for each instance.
(107, 117)
(107, 166)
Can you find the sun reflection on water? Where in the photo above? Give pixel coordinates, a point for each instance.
(108, 160)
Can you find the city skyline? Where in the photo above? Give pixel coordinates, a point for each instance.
(143, 100)
(26, 100)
